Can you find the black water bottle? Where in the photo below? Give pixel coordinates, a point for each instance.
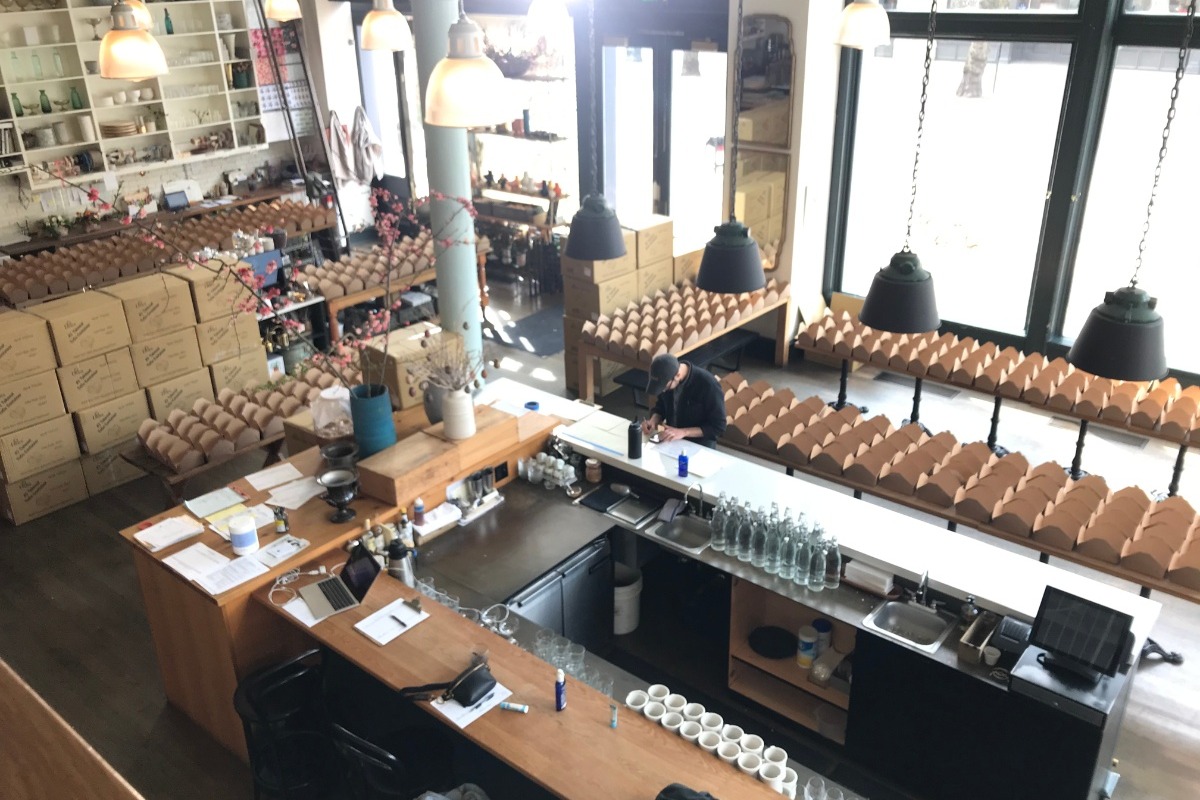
(635, 439)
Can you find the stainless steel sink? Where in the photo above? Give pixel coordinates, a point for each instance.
(685, 531)
(911, 624)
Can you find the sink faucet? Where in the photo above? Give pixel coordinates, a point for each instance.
(699, 505)
(922, 589)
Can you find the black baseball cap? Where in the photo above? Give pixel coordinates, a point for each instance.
(662, 370)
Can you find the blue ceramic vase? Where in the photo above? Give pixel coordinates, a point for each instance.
(371, 413)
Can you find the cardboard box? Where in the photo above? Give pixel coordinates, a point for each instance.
(155, 305)
(656, 276)
(752, 202)
(29, 400)
(248, 369)
(687, 265)
(111, 424)
(215, 292)
(40, 494)
(84, 325)
(179, 392)
(404, 348)
(655, 235)
(589, 300)
(774, 229)
(38, 448)
(97, 380)
(167, 357)
(777, 183)
(106, 469)
(597, 271)
(25, 347)
(224, 338)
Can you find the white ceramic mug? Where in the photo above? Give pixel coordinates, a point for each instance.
(790, 779)
(693, 711)
(752, 743)
(654, 711)
(119, 98)
(749, 763)
(775, 755)
(671, 721)
(636, 700)
(657, 692)
(690, 730)
(732, 733)
(991, 655)
(728, 752)
(711, 721)
(147, 93)
(772, 775)
(676, 703)
(709, 741)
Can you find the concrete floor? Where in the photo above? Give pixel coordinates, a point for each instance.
(72, 624)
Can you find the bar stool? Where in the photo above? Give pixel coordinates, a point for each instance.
(280, 706)
(371, 772)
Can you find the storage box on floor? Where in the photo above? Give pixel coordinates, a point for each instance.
(591, 288)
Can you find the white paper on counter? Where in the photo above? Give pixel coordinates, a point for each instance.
(702, 461)
(196, 561)
(295, 494)
(236, 572)
(462, 717)
(169, 531)
(603, 431)
(381, 628)
(208, 504)
(273, 476)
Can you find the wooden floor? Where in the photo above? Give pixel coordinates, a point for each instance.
(72, 625)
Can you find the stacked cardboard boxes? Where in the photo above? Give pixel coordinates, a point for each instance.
(417, 342)
(592, 288)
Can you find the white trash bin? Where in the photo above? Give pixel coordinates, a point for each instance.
(627, 598)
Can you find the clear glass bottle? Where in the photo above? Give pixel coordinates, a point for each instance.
(833, 564)
(745, 528)
(15, 74)
(787, 549)
(774, 542)
(816, 560)
(716, 525)
(58, 65)
(37, 66)
(758, 540)
(803, 550)
(733, 522)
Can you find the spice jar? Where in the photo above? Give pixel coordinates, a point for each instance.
(592, 470)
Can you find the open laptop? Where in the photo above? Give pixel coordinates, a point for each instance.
(337, 593)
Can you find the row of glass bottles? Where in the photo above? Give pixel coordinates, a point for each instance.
(16, 74)
(790, 548)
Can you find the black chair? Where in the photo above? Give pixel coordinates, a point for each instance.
(291, 757)
(371, 772)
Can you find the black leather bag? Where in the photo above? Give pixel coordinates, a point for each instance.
(468, 688)
(677, 791)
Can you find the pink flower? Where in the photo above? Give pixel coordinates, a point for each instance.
(141, 214)
(126, 220)
(93, 195)
(272, 265)
(106, 206)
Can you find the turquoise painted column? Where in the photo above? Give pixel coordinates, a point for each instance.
(450, 175)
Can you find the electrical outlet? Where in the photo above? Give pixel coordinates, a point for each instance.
(501, 471)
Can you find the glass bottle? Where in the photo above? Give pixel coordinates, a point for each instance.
(803, 550)
(745, 528)
(58, 65)
(76, 100)
(833, 564)
(816, 561)
(775, 542)
(167, 23)
(15, 69)
(717, 524)
(787, 549)
(36, 61)
(758, 540)
(17, 109)
(44, 102)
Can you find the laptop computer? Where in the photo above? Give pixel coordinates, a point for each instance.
(337, 593)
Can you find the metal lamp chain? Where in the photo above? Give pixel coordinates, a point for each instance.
(1184, 52)
(737, 111)
(912, 202)
(595, 176)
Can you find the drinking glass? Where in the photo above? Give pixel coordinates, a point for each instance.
(590, 676)
(604, 684)
(494, 615)
(426, 587)
(450, 601)
(559, 652)
(835, 794)
(575, 656)
(815, 789)
(472, 614)
(543, 644)
(508, 626)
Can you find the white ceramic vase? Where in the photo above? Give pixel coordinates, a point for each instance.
(458, 415)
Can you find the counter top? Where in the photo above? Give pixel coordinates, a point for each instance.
(1001, 581)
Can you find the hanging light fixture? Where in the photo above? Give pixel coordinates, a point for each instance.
(141, 14)
(466, 89)
(385, 28)
(595, 230)
(901, 298)
(282, 10)
(863, 25)
(127, 51)
(732, 262)
(1123, 336)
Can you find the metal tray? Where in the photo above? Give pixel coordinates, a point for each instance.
(633, 511)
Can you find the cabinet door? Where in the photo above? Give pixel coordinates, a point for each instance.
(541, 603)
(588, 596)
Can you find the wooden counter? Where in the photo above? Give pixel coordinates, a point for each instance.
(573, 754)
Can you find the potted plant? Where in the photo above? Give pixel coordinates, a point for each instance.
(449, 373)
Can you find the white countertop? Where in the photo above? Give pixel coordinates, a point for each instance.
(1000, 580)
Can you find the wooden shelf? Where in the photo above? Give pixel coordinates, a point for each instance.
(787, 670)
(779, 696)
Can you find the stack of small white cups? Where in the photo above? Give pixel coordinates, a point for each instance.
(730, 743)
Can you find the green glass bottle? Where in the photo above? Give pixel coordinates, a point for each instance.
(44, 101)
(17, 109)
(76, 100)
(167, 23)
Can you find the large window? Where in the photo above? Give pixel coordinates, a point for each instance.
(1042, 129)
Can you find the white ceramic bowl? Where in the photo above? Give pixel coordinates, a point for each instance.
(728, 752)
(636, 700)
(690, 730)
(671, 721)
(654, 711)
(712, 721)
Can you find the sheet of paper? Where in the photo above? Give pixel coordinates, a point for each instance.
(281, 550)
(208, 504)
(273, 476)
(702, 461)
(462, 717)
(299, 609)
(295, 494)
(168, 532)
(381, 627)
(604, 431)
(507, 394)
(196, 561)
(262, 514)
(236, 572)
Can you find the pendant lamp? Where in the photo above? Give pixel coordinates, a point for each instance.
(863, 25)
(595, 232)
(385, 28)
(282, 10)
(1122, 337)
(732, 262)
(466, 89)
(901, 298)
(128, 52)
(141, 14)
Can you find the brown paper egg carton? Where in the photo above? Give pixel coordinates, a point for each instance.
(983, 494)
(841, 453)
(940, 487)
(368, 269)
(1163, 406)
(904, 474)
(868, 466)
(212, 432)
(674, 319)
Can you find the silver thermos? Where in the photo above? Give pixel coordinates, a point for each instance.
(400, 563)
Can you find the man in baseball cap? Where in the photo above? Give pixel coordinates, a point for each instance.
(690, 404)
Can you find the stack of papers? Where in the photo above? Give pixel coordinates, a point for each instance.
(381, 627)
(214, 572)
(295, 494)
(208, 504)
(273, 476)
(169, 531)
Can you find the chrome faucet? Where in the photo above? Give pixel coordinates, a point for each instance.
(922, 589)
(700, 504)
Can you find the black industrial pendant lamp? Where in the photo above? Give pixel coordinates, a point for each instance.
(1123, 336)
(732, 262)
(595, 231)
(901, 298)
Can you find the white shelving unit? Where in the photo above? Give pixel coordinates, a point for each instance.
(194, 112)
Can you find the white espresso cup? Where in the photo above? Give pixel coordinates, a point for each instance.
(752, 743)
(749, 763)
(772, 775)
(775, 755)
(789, 783)
(671, 721)
(709, 741)
(711, 721)
(728, 752)
(658, 692)
(732, 733)
(690, 730)
(636, 700)
(693, 712)
(676, 703)
(654, 711)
